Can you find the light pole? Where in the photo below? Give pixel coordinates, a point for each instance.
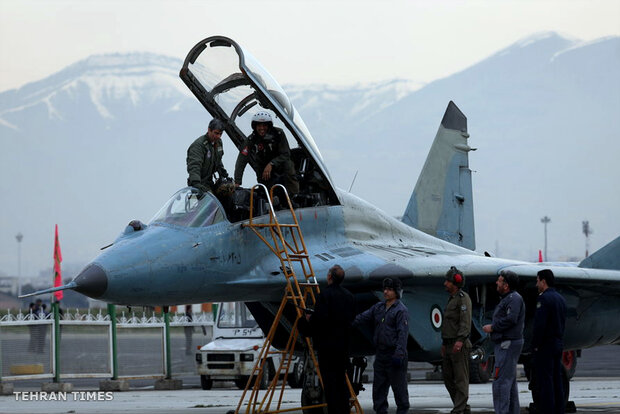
(544, 221)
(19, 238)
(587, 231)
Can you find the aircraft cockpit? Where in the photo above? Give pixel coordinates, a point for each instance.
(233, 86)
(190, 208)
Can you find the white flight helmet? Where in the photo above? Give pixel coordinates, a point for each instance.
(261, 117)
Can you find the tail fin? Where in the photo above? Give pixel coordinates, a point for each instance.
(607, 257)
(441, 204)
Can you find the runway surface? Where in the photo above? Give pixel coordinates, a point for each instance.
(591, 395)
(594, 389)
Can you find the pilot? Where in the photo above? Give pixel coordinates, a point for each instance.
(204, 158)
(456, 346)
(330, 325)
(390, 319)
(547, 343)
(270, 150)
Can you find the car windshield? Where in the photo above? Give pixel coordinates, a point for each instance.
(235, 315)
(188, 208)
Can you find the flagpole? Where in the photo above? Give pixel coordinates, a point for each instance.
(56, 296)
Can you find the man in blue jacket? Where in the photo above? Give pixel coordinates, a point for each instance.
(548, 344)
(391, 330)
(507, 334)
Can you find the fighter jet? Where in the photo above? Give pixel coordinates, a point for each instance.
(197, 248)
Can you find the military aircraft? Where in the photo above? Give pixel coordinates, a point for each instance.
(197, 249)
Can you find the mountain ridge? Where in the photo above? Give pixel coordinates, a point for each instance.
(538, 111)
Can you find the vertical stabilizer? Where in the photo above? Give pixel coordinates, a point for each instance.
(441, 204)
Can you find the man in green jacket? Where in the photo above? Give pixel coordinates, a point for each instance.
(269, 148)
(204, 158)
(456, 347)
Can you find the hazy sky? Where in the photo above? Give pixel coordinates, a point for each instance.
(334, 42)
(345, 41)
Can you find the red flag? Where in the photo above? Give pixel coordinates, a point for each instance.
(540, 258)
(57, 270)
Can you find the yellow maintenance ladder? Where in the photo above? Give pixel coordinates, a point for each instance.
(287, 243)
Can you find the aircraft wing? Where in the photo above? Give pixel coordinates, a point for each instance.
(427, 267)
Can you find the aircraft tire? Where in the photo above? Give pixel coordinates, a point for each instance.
(205, 382)
(295, 379)
(312, 396)
(480, 372)
(569, 360)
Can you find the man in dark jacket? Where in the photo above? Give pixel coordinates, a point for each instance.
(507, 334)
(204, 158)
(268, 146)
(548, 344)
(390, 319)
(330, 325)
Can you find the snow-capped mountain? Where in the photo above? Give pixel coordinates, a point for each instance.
(104, 140)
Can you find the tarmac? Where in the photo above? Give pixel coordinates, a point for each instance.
(591, 395)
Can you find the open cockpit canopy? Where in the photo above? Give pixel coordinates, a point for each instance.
(232, 85)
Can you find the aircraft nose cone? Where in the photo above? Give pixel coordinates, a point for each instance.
(92, 281)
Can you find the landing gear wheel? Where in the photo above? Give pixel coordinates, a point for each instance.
(569, 360)
(295, 379)
(205, 382)
(480, 371)
(312, 396)
(311, 392)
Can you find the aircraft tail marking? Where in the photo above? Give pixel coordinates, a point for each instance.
(607, 257)
(442, 204)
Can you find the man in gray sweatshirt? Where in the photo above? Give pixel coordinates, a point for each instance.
(507, 334)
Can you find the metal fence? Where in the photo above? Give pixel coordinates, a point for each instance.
(96, 345)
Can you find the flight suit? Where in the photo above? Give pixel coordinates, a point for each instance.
(391, 331)
(456, 326)
(548, 344)
(330, 326)
(203, 160)
(507, 334)
(272, 148)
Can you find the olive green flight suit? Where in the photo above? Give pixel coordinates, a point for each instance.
(456, 327)
(203, 160)
(274, 149)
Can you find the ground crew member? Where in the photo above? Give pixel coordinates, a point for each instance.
(330, 325)
(204, 158)
(548, 344)
(269, 148)
(456, 346)
(507, 334)
(391, 330)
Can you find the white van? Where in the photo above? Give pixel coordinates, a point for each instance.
(236, 346)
